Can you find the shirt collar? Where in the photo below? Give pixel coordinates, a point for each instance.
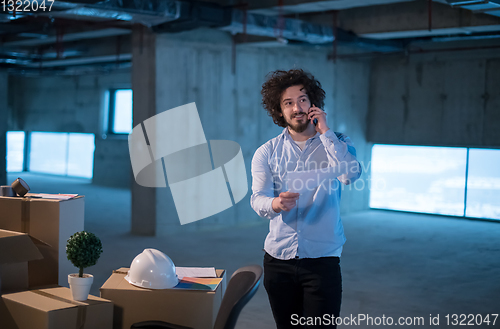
(286, 134)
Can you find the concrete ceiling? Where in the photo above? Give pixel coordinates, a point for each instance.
(67, 35)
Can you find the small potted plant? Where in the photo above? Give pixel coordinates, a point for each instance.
(83, 250)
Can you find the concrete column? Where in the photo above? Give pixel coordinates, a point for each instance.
(3, 127)
(144, 89)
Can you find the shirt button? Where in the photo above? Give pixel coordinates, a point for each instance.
(300, 231)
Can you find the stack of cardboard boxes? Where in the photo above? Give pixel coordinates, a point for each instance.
(33, 267)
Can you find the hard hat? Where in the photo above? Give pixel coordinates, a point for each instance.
(152, 269)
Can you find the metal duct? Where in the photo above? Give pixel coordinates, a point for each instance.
(383, 46)
(298, 30)
(197, 14)
(148, 13)
(292, 29)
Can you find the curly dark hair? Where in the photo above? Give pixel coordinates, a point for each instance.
(278, 81)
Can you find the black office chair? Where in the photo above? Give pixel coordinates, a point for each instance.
(240, 289)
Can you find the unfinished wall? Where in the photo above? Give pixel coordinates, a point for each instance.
(449, 99)
(3, 127)
(73, 104)
(350, 96)
(197, 67)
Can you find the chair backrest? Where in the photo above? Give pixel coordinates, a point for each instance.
(240, 289)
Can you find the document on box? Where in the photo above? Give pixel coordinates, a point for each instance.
(51, 196)
(198, 283)
(195, 272)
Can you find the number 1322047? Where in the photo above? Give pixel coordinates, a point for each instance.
(26, 6)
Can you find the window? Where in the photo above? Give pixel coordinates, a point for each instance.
(48, 153)
(433, 180)
(68, 154)
(15, 151)
(483, 184)
(80, 155)
(119, 120)
(418, 178)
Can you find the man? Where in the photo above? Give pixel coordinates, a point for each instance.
(301, 265)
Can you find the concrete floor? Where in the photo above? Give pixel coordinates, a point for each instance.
(394, 264)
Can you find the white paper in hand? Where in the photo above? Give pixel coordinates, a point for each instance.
(302, 181)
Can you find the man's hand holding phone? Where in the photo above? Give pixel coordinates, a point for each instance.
(318, 115)
(285, 201)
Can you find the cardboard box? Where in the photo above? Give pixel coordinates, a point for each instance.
(192, 308)
(53, 308)
(51, 221)
(16, 249)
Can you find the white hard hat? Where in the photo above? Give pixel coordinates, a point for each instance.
(152, 269)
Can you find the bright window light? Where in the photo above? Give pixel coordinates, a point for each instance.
(122, 111)
(68, 154)
(483, 184)
(81, 155)
(48, 153)
(15, 151)
(418, 179)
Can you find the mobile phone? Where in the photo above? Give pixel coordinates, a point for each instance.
(315, 121)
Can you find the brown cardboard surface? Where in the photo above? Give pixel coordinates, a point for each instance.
(13, 277)
(16, 249)
(53, 308)
(191, 308)
(51, 221)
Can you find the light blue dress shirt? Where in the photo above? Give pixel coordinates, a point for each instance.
(313, 228)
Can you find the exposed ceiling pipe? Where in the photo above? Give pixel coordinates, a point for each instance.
(417, 51)
(148, 13)
(82, 61)
(70, 71)
(109, 59)
(69, 37)
(293, 29)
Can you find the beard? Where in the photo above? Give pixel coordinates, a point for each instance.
(297, 127)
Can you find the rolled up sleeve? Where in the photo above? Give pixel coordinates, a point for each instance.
(262, 184)
(340, 150)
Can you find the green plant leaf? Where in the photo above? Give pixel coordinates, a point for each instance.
(83, 249)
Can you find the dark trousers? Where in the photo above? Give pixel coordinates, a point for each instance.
(303, 288)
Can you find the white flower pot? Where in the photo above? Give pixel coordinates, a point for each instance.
(80, 287)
